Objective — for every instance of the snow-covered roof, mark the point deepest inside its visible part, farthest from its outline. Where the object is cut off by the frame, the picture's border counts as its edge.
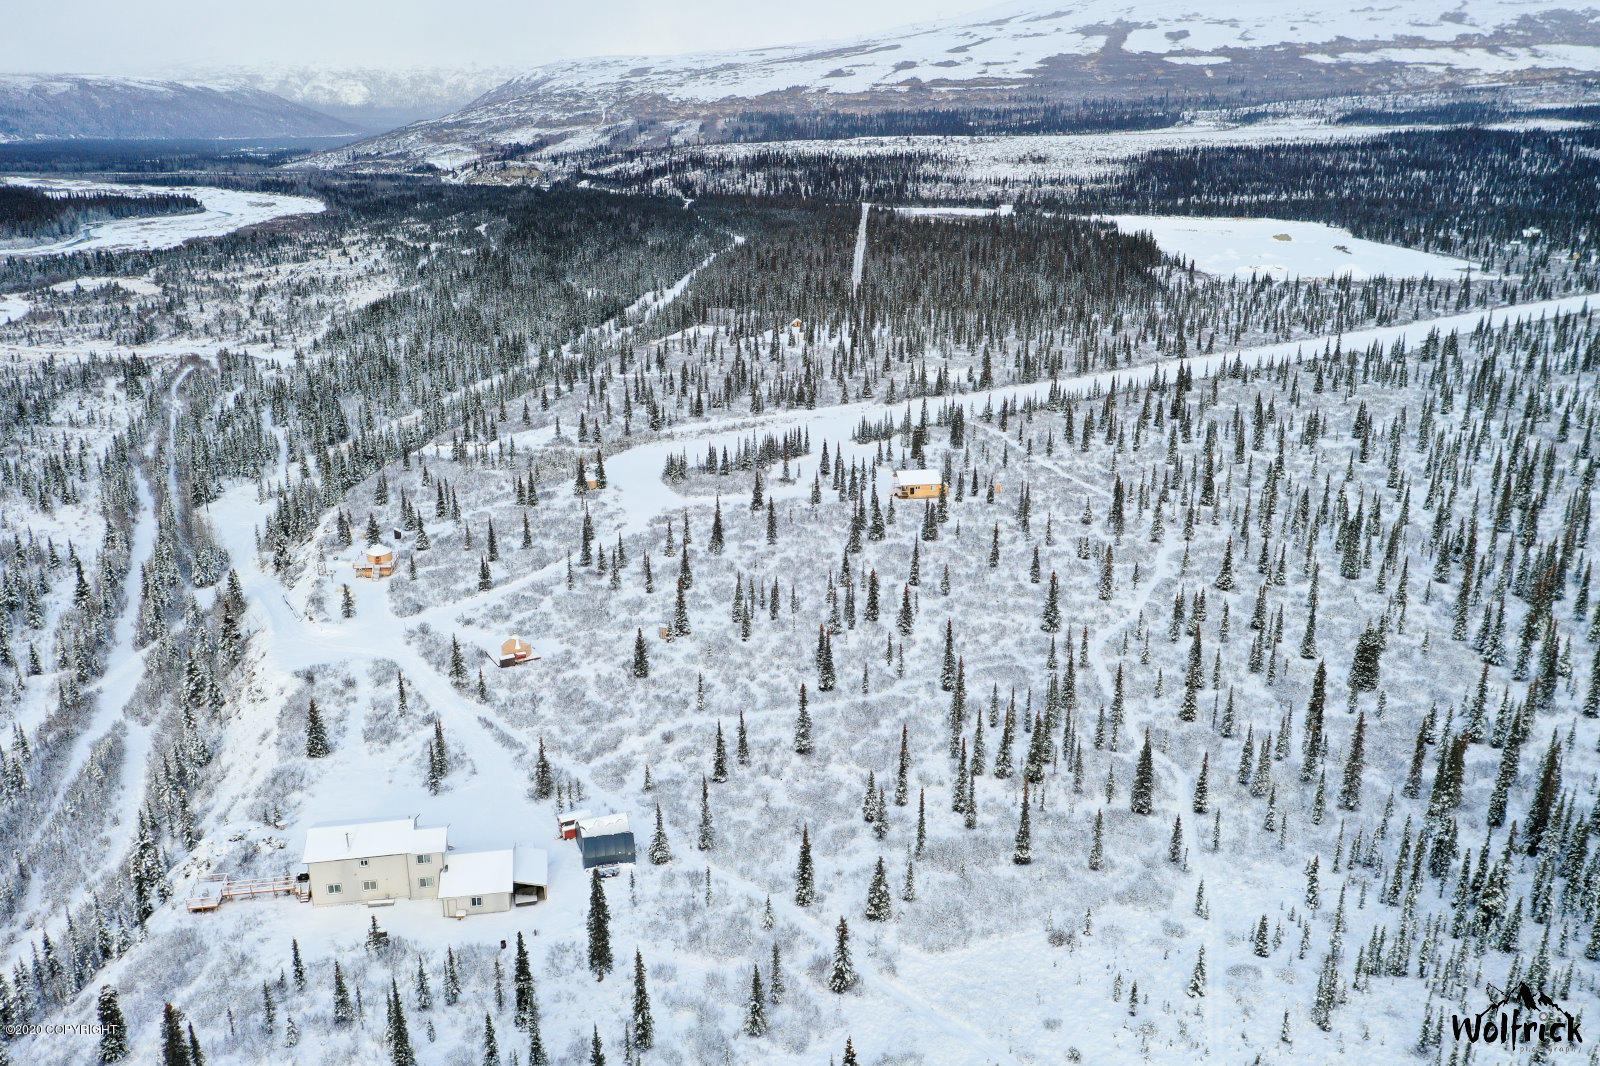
(477, 873)
(574, 816)
(603, 825)
(530, 865)
(366, 840)
(918, 477)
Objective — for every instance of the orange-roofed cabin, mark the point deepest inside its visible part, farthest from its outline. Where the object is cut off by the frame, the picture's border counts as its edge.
(515, 650)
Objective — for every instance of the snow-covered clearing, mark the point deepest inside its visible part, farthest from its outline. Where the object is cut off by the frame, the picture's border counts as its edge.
(13, 308)
(224, 210)
(1282, 249)
(859, 262)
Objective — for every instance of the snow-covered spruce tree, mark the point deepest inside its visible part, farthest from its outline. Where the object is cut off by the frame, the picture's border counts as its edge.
(113, 1029)
(879, 908)
(660, 851)
(1141, 798)
(802, 726)
(544, 784)
(1051, 622)
(1022, 847)
(399, 1035)
(842, 976)
(707, 838)
(317, 746)
(599, 928)
(1097, 847)
(644, 1026)
(522, 987)
(755, 1011)
(805, 884)
(641, 656)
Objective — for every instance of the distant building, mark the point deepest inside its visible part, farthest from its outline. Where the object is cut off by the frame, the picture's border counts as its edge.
(385, 859)
(376, 561)
(918, 484)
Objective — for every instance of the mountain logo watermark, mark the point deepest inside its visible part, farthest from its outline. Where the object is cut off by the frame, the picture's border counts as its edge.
(1516, 1018)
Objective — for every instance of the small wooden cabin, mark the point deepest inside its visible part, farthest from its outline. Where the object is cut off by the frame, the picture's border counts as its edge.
(918, 484)
(376, 561)
(515, 651)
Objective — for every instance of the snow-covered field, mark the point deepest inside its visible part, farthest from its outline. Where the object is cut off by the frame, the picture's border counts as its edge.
(1282, 249)
(12, 308)
(224, 210)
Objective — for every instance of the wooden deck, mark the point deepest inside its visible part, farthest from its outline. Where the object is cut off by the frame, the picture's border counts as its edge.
(209, 892)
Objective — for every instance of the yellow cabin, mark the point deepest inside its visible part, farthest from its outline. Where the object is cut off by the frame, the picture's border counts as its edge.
(918, 484)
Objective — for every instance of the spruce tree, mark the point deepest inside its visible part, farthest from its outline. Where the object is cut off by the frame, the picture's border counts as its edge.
(317, 746)
(641, 656)
(1350, 790)
(660, 851)
(707, 839)
(599, 928)
(1141, 798)
(842, 976)
(113, 1030)
(1022, 848)
(802, 726)
(755, 1013)
(174, 1048)
(805, 889)
(522, 986)
(644, 1026)
(879, 908)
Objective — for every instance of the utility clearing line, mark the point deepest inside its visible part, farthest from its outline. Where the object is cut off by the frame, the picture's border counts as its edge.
(861, 249)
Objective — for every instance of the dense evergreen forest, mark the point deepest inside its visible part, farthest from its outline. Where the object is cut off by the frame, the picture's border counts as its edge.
(1024, 117)
(34, 214)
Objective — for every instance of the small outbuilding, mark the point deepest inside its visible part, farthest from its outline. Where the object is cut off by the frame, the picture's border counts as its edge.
(515, 651)
(376, 561)
(605, 842)
(567, 824)
(918, 484)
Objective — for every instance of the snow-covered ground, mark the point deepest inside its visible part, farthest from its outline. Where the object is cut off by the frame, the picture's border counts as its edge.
(224, 210)
(13, 308)
(1282, 249)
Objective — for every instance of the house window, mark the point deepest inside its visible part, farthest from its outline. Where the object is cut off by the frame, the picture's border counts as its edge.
(369, 886)
(424, 882)
(477, 901)
(423, 860)
(363, 863)
(334, 890)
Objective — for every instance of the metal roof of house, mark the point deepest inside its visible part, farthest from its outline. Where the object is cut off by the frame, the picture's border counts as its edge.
(477, 873)
(606, 850)
(918, 477)
(530, 865)
(370, 839)
(603, 825)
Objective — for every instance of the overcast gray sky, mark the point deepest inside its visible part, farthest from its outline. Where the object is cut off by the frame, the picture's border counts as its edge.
(145, 36)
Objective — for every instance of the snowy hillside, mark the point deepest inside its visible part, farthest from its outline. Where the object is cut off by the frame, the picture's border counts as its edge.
(71, 106)
(373, 99)
(1029, 51)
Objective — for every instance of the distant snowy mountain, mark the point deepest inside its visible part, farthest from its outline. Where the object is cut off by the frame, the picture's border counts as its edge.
(71, 106)
(373, 98)
(1249, 52)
